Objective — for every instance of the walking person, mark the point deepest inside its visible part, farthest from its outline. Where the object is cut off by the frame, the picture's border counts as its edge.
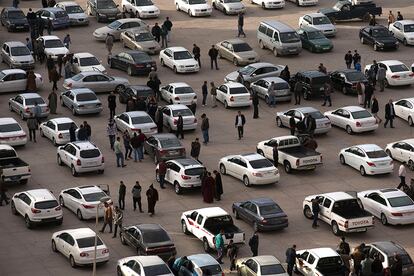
(127, 144)
(54, 77)
(109, 43)
(315, 212)
(152, 198)
(391, 18)
(232, 252)
(381, 73)
(136, 196)
(162, 171)
(112, 104)
(72, 132)
(348, 59)
(49, 26)
(205, 126)
(360, 87)
(111, 132)
(375, 109)
(255, 101)
(240, 24)
(291, 259)
(292, 125)
(52, 102)
(254, 244)
(219, 243)
(218, 185)
(372, 73)
(164, 34)
(195, 149)
(117, 219)
(213, 92)
(3, 195)
(135, 144)
(204, 91)
(298, 92)
(32, 125)
(327, 90)
(88, 130)
(343, 247)
(389, 114)
(197, 54)
(160, 120)
(67, 41)
(16, 3)
(239, 124)
(31, 82)
(322, 69)
(108, 217)
(180, 126)
(369, 91)
(213, 54)
(207, 188)
(356, 58)
(168, 25)
(285, 74)
(275, 155)
(118, 153)
(82, 133)
(399, 16)
(156, 32)
(272, 94)
(121, 195)
(141, 140)
(402, 172)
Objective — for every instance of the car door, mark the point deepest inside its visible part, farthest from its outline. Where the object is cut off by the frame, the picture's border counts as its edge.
(268, 149)
(230, 165)
(5, 53)
(359, 158)
(164, 92)
(286, 117)
(252, 213)
(398, 31)
(68, 199)
(168, 61)
(69, 244)
(150, 146)
(376, 204)
(70, 154)
(19, 203)
(166, 115)
(173, 172)
(103, 83)
(17, 103)
(407, 151)
(325, 209)
(350, 156)
(199, 227)
(244, 210)
(123, 122)
(345, 119)
(90, 82)
(240, 168)
(13, 82)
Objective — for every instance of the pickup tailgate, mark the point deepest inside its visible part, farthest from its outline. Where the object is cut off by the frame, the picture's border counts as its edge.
(310, 160)
(363, 222)
(14, 169)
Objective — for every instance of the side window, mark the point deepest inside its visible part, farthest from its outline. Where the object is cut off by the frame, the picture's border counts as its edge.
(76, 194)
(223, 88)
(200, 219)
(167, 112)
(253, 209)
(298, 115)
(20, 76)
(269, 32)
(242, 163)
(276, 36)
(70, 240)
(193, 215)
(50, 125)
(89, 79)
(327, 203)
(262, 28)
(311, 259)
(304, 255)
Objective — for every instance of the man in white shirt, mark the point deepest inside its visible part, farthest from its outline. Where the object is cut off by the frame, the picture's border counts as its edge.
(239, 123)
(402, 171)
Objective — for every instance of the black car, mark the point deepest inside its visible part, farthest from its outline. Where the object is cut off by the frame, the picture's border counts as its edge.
(135, 91)
(133, 62)
(378, 36)
(14, 19)
(346, 80)
(344, 10)
(263, 213)
(164, 146)
(149, 239)
(312, 83)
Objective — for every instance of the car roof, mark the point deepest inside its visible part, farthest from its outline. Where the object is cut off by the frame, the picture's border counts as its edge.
(136, 113)
(89, 73)
(62, 120)
(148, 226)
(312, 73)
(323, 252)
(177, 106)
(368, 147)
(202, 260)
(233, 84)
(84, 145)
(179, 84)
(40, 194)
(278, 25)
(13, 71)
(139, 87)
(14, 43)
(7, 120)
(124, 20)
(352, 108)
(262, 201)
(261, 64)
(407, 99)
(30, 95)
(284, 137)
(409, 141)
(406, 21)
(389, 247)
(81, 90)
(185, 162)
(266, 260)
(83, 55)
(176, 49)
(252, 156)
(274, 79)
(79, 233)
(212, 211)
(391, 192)
(338, 195)
(235, 41)
(346, 71)
(12, 9)
(51, 9)
(391, 62)
(88, 189)
(144, 260)
(164, 136)
(305, 109)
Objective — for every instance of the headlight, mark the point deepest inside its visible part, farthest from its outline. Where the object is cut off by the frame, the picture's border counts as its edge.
(380, 44)
(101, 14)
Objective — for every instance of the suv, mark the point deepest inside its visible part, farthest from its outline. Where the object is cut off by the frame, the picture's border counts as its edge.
(104, 10)
(81, 156)
(17, 55)
(37, 206)
(312, 83)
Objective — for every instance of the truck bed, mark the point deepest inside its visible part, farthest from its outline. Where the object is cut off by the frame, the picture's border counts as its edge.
(228, 229)
(299, 152)
(10, 163)
(350, 210)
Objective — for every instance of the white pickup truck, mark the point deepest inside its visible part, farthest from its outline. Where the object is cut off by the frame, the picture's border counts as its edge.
(12, 168)
(292, 154)
(206, 223)
(341, 210)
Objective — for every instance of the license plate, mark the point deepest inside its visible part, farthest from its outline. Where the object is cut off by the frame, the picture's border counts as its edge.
(151, 12)
(292, 51)
(174, 152)
(15, 178)
(19, 27)
(148, 65)
(111, 18)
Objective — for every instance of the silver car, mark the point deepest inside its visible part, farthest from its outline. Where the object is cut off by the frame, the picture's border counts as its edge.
(96, 81)
(255, 71)
(17, 55)
(237, 51)
(119, 26)
(140, 40)
(76, 14)
(81, 101)
(24, 105)
(323, 124)
(282, 89)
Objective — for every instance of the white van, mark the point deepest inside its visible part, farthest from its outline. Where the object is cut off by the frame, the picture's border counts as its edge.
(278, 37)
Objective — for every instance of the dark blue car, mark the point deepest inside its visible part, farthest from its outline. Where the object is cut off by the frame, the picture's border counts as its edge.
(59, 17)
(263, 213)
(14, 19)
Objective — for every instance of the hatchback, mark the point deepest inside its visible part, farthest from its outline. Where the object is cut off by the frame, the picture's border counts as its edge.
(57, 130)
(134, 121)
(170, 117)
(12, 80)
(281, 88)
(76, 14)
(58, 16)
(178, 93)
(81, 101)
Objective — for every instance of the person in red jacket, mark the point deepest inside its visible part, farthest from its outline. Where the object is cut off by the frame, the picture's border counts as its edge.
(162, 170)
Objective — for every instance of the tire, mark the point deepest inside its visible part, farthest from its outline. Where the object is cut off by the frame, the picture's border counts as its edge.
(362, 171)
(41, 133)
(410, 121)
(344, 90)
(177, 7)
(175, 70)
(235, 62)
(61, 202)
(119, 88)
(307, 212)
(255, 227)
(177, 188)
(335, 228)
(122, 239)
(342, 159)
(222, 169)
(157, 176)
(110, 63)
(184, 228)
(73, 111)
(162, 62)
(79, 214)
(375, 47)
(101, 171)
(13, 209)
(214, 6)
(10, 108)
(24, 181)
(387, 84)
(288, 167)
(279, 122)
(155, 159)
(73, 171)
(226, 106)
(236, 214)
(384, 219)
(189, 13)
(54, 249)
(411, 165)
(54, 142)
(266, 99)
(306, 96)
(22, 116)
(129, 71)
(28, 222)
(206, 246)
(405, 42)
(225, 12)
(263, 5)
(275, 53)
(118, 271)
(59, 160)
(349, 130)
(362, 40)
(261, 45)
(137, 15)
(72, 261)
(246, 181)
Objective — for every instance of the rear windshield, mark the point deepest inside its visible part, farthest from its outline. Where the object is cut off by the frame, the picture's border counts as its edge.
(73, 9)
(184, 112)
(290, 37)
(84, 97)
(380, 33)
(53, 43)
(272, 269)
(316, 115)
(332, 264)
(170, 143)
(320, 80)
(238, 90)
(144, 93)
(194, 171)
(361, 114)
(242, 47)
(355, 76)
(281, 85)
(141, 57)
(160, 269)
(88, 242)
(49, 204)
(260, 164)
(90, 153)
(7, 153)
(214, 221)
(400, 201)
(64, 126)
(32, 101)
(60, 14)
(405, 258)
(183, 54)
(399, 68)
(155, 236)
(114, 25)
(409, 28)
(269, 209)
(141, 120)
(9, 128)
(106, 4)
(184, 90)
(89, 61)
(192, 2)
(16, 14)
(211, 270)
(144, 37)
(92, 197)
(377, 154)
(20, 51)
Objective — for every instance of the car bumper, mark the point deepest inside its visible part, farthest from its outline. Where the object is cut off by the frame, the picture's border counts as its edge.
(149, 132)
(358, 229)
(409, 219)
(186, 127)
(141, 71)
(61, 25)
(274, 6)
(264, 180)
(307, 167)
(270, 227)
(86, 261)
(387, 47)
(149, 15)
(46, 220)
(14, 141)
(99, 37)
(201, 13)
(397, 82)
(62, 141)
(291, 51)
(322, 130)
(188, 69)
(42, 115)
(247, 61)
(323, 49)
(365, 129)
(283, 98)
(329, 33)
(19, 27)
(79, 22)
(88, 110)
(190, 185)
(381, 170)
(239, 104)
(90, 169)
(24, 66)
(170, 157)
(16, 178)
(91, 213)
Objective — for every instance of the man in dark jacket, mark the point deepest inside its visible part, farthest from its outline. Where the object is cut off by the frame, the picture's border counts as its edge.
(239, 124)
(195, 149)
(205, 126)
(297, 91)
(315, 212)
(88, 130)
(136, 196)
(310, 124)
(162, 170)
(152, 198)
(375, 109)
(396, 268)
(204, 90)
(291, 259)
(168, 25)
(240, 24)
(72, 132)
(112, 104)
(121, 195)
(82, 133)
(254, 244)
(292, 125)
(255, 101)
(389, 114)
(197, 53)
(180, 126)
(369, 91)
(156, 32)
(275, 155)
(343, 247)
(213, 54)
(348, 59)
(218, 185)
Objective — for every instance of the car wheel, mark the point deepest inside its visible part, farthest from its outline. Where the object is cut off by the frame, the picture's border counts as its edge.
(119, 88)
(306, 95)
(54, 142)
(389, 153)
(263, 5)
(73, 170)
(73, 111)
(79, 214)
(362, 40)
(189, 13)
(157, 176)
(101, 171)
(24, 181)
(111, 65)
(184, 227)
(13, 208)
(28, 222)
(41, 133)
(206, 246)
(177, 188)
(59, 160)
(10, 108)
(225, 12)
(137, 15)
(307, 212)
(122, 238)
(279, 122)
(246, 181)
(162, 62)
(235, 62)
(129, 71)
(288, 167)
(411, 165)
(61, 202)
(261, 45)
(72, 261)
(349, 130)
(362, 171)
(344, 90)
(384, 219)
(375, 47)
(335, 228)
(387, 84)
(222, 169)
(342, 159)
(275, 53)
(214, 6)
(410, 121)
(226, 105)
(175, 69)
(266, 99)
(54, 249)
(405, 42)
(118, 271)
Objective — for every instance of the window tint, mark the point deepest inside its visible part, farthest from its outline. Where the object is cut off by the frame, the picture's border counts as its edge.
(194, 171)
(200, 219)
(311, 259)
(400, 201)
(327, 203)
(155, 236)
(170, 143)
(9, 128)
(377, 154)
(361, 114)
(86, 97)
(91, 153)
(88, 242)
(270, 209)
(160, 269)
(260, 164)
(93, 196)
(272, 269)
(64, 126)
(33, 101)
(46, 204)
(141, 120)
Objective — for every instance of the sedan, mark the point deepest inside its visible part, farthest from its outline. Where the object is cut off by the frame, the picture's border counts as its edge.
(369, 159)
(193, 7)
(11, 133)
(179, 59)
(14, 19)
(134, 121)
(404, 109)
(403, 30)
(323, 124)
(75, 12)
(140, 40)
(142, 8)
(57, 130)
(260, 266)
(15, 80)
(391, 206)
(281, 88)
(58, 16)
(354, 119)
(233, 94)
(16, 55)
(269, 4)
(314, 40)
(379, 37)
(24, 104)
(170, 116)
(143, 266)
(402, 151)
(318, 21)
(81, 101)
(178, 93)
(346, 80)
(397, 73)
(164, 146)
(118, 26)
(237, 51)
(79, 246)
(263, 213)
(53, 46)
(133, 62)
(255, 71)
(229, 6)
(96, 81)
(84, 62)
(148, 239)
(251, 168)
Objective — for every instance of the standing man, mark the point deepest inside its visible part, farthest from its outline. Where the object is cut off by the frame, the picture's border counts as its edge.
(112, 104)
(156, 32)
(322, 68)
(88, 130)
(381, 77)
(67, 41)
(16, 3)
(121, 196)
(343, 247)
(389, 114)
(391, 18)
(275, 155)
(255, 101)
(219, 243)
(164, 34)
(152, 198)
(297, 91)
(118, 153)
(402, 172)
(205, 125)
(240, 24)
(327, 90)
(399, 16)
(375, 109)
(180, 126)
(168, 24)
(197, 54)
(52, 98)
(136, 196)
(348, 59)
(291, 259)
(195, 149)
(356, 58)
(254, 244)
(118, 216)
(372, 73)
(315, 212)
(213, 54)
(162, 171)
(213, 93)
(32, 125)
(109, 43)
(204, 90)
(396, 266)
(72, 132)
(111, 132)
(108, 216)
(218, 184)
(292, 125)
(141, 140)
(3, 195)
(272, 94)
(239, 123)
(369, 91)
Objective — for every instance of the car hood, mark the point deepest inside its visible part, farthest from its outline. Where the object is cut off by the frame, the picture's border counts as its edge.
(109, 11)
(92, 68)
(390, 39)
(247, 54)
(23, 58)
(325, 27)
(237, 6)
(321, 41)
(187, 62)
(232, 76)
(121, 80)
(104, 30)
(148, 44)
(77, 16)
(200, 6)
(56, 51)
(148, 8)
(159, 244)
(18, 21)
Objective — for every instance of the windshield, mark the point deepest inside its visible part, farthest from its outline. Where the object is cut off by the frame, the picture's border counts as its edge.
(316, 115)
(141, 3)
(49, 204)
(184, 112)
(260, 164)
(290, 37)
(242, 47)
(170, 143)
(114, 25)
(155, 236)
(141, 120)
(400, 201)
(160, 269)
(20, 51)
(53, 43)
(272, 269)
(65, 126)
(399, 68)
(9, 128)
(194, 2)
(315, 35)
(140, 57)
(356, 76)
(182, 55)
(89, 61)
(270, 209)
(92, 197)
(194, 171)
(381, 33)
(232, 1)
(409, 28)
(59, 14)
(320, 80)
(16, 15)
(88, 242)
(361, 114)
(90, 153)
(183, 90)
(321, 20)
(247, 70)
(105, 4)
(377, 154)
(32, 101)
(238, 90)
(77, 77)
(143, 37)
(84, 97)
(144, 93)
(73, 9)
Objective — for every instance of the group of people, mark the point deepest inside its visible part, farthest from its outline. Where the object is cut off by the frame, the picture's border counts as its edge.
(211, 187)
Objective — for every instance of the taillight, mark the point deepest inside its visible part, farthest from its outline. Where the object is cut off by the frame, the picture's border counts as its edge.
(134, 129)
(257, 174)
(27, 110)
(371, 164)
(78, 162)
(84, 254)
(177, 98)
(195, 97)
(358, 124)
(232, 99)
(395, 76)
(321, 158)
(58, 208)
(35, 211)
(411, 75)
(162, 152)
(103, 160)
(60, 135)
(185, 177)
(251, 98)
(346, 224)
(69, 84)
(105, 251)
(139, 65)
(175, 121)
(397, 214)
(86, 206)
(263, 220)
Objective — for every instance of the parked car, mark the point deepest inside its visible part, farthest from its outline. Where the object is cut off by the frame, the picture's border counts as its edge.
(133, 62)
(201, 264)
(11, 133)
(135, 91)
(14, 19)
(281, 87)
(314, 40)
(142, 8)
(38, 206)
(96, 81)
(133, 121)
(81, 101)
(260, 266)
(255, 71)
(148, 239)
(323, 124)
(263, 213)
(354, 119)
(75, 13)
(58, 16)
(178, 93)
(369, 159)
(397, 73)
(81, 157)
(141, 41)
(318, 21)
(304, 3)
(117, 27)
(345, 10)
(403, 30)
(193, 7)
(85, 62)
(233, 94)
(319, 261)
(170, 117)
(237, 51)
(183, 174)
(57, 130)
(12, 168)
(379, 37)
(16, 55)
(83, 201)
(79, 246)
(229, 6)
(179, 59)
(312, 83)
(52, 46)
(15, 80)
(103, 10)
(402, 151)
(346, 80)
(24, 104)
(142, 266)
(164, 146)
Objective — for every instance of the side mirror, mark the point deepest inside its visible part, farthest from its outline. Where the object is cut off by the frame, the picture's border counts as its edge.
(365, 195)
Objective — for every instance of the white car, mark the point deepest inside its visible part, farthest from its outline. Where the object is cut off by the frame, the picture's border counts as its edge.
(229, 6)
(15, 80)
(404, 109)
(193, 7)
(118, 26)
(37, 206)
(178, 93)
(402, 151)
(318, 21)
(391, 206)
(179, 59)
(81, 157)
(57, 130)
(369, 159)
(303, 3)
(96, 81)
(143, 266)
(397, 73)
(133, 121)
(251, 168)
(87, 62)
(53, 46)
(76, 14)
(260, 266)
(270, 4)
(142, 8)
(78, 245)
(83, 201)
(403, 30)
(233, 94)
(354, 119)
(315, 261)
(170, 117)
(11, 133)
